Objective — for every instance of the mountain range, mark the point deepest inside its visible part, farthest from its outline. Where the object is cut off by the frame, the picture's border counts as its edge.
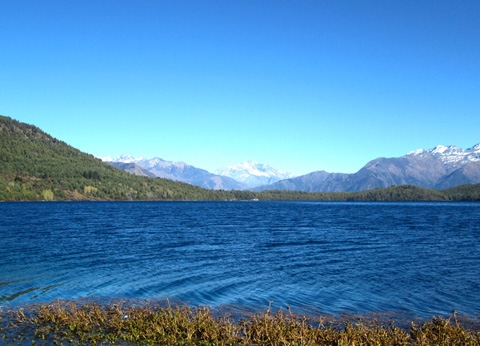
(36, 166)
(438, 168)
(178, 171)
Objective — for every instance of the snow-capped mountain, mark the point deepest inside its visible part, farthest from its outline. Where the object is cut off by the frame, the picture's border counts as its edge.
(450, 155)
(157, 166)
(438, 168)
(122, 159)
(179, 171)
(253, 173)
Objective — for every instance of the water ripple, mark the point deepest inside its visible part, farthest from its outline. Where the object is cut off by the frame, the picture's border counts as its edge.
(334, 257)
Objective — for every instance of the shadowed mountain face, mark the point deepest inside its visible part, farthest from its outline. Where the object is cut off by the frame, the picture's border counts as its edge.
(438, 168)
(131, 168)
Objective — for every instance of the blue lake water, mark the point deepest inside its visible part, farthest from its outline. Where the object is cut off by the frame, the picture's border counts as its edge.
(419, 258)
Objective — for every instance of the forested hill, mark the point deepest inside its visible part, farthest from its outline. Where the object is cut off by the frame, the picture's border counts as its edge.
(36, 166)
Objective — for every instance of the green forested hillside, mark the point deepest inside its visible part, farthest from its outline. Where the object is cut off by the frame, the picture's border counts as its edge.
(36, 166)
(463, 193)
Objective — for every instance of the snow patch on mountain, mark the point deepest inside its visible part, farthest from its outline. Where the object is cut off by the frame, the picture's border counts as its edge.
(148, 164)
(123, 159)
(253, 173)
(450, 154)
(475, 148)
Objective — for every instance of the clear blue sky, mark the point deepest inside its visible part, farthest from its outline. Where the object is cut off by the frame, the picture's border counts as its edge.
(299, 85)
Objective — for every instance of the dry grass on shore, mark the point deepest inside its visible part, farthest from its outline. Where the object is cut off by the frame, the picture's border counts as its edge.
(92, 323)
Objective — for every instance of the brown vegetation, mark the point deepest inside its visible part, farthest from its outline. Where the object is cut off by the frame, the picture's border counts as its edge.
(91, 323)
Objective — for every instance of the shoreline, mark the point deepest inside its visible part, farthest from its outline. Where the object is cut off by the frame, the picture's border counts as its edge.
(123, 321)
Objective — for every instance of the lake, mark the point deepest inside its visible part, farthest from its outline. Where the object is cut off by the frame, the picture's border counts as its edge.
(418, 258)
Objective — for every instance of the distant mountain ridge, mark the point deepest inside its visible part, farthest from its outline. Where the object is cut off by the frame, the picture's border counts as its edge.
(253, 173)
(438, 168)
(450, 155)
(35, 166)
(441, 167)
(238, 177)
(178, 171)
